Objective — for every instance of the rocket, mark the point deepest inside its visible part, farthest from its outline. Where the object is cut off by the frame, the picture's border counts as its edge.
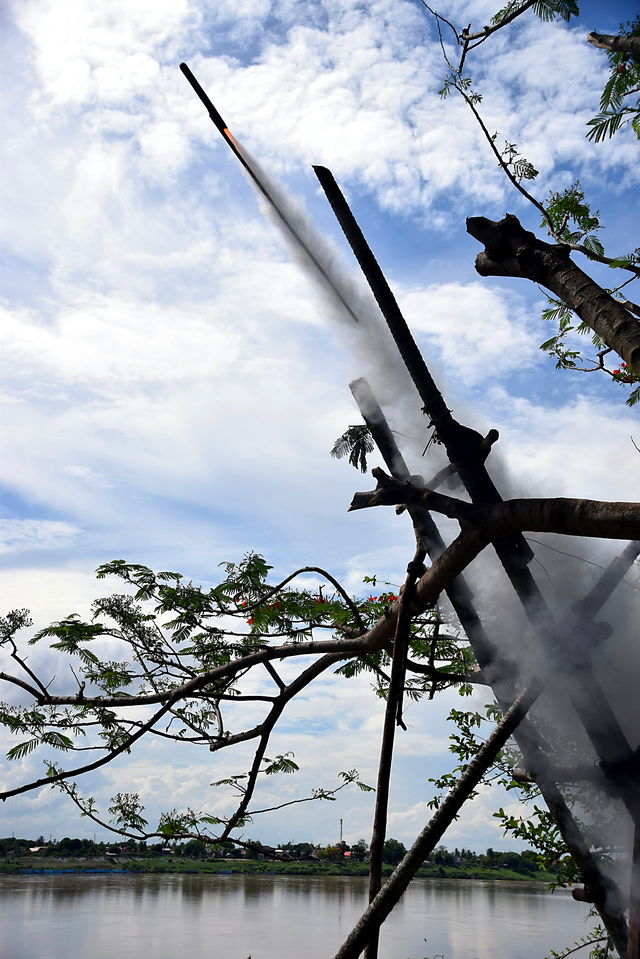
(224, 131)
(227, 136)
(213, 113)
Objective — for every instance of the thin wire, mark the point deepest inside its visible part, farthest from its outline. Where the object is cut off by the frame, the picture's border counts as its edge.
(541, 564)
(581, 558)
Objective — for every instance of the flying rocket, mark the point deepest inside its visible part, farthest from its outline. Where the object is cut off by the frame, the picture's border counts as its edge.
(224, 130)
(213, 113)
(230, 141)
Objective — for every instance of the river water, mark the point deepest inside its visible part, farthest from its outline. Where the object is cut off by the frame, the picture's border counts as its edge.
(275, 917)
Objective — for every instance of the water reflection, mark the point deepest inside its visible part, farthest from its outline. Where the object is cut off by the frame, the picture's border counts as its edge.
(274, 917)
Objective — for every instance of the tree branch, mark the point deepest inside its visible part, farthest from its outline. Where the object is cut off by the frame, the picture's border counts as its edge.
(36, 693)
(346, 647)
(386, 899)
(615, 44)
(573, 517)
(71, 773)
(501, 162)
(307, 676)
(392, 717)
(510, 250)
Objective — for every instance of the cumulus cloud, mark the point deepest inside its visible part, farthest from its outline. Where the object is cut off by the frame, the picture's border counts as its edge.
(26, 534)
(473, 329)
(548, 453)
(476, 820)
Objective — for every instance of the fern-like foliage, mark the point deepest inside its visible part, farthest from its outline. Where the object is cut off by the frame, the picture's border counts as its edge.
(545, 9)
(519, 166)
(505, 12)
(605, 125)
(558, 312)
(623, 82)
(356, 443)
(624, 262)
(634, 397)
(550, 9)
(567, 359)
(281, 764)
(568, 208)
(592, 243)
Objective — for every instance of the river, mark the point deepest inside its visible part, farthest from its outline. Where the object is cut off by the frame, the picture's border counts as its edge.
(275, 917)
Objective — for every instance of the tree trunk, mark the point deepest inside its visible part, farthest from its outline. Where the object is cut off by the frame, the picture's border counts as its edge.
(510, 250)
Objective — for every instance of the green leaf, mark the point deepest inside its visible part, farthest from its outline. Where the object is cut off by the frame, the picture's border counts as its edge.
(524, 170)
(607, 124)
(623, 262)
(504, 12)
(230, 781)
(54, 738)
(14, 620)
(356, 442)
(23, 749)
(281, 764)
(569, 206)
(634, 397)
(593, 243)
(550, 9)
(557, 311)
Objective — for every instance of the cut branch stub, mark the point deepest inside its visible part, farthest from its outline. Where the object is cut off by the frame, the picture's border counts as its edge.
(573, 517)
(510, 250)
(388, 492)
(615, 44)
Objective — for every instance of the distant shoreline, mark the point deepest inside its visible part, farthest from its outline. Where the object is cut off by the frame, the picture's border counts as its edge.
(32, 865)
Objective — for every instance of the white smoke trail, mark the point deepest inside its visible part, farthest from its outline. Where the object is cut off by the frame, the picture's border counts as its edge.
(342, 294)
(563, 580)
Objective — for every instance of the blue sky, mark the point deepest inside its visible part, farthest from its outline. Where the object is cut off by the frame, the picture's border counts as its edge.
(172, 382)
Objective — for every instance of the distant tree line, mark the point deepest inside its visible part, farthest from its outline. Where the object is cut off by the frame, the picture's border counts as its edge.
(526, 862)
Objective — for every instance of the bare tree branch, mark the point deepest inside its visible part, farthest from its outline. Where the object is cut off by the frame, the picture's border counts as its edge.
(392, 717)
(573, 517)
(386, 899)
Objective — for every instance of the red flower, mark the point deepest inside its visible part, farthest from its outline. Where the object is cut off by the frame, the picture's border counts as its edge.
(615, 372)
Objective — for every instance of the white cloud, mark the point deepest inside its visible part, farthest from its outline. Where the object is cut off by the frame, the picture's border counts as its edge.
(59, 590)
(479, 333)
(97, 52)
(475, 820)
(552, 451)
(17, 535)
